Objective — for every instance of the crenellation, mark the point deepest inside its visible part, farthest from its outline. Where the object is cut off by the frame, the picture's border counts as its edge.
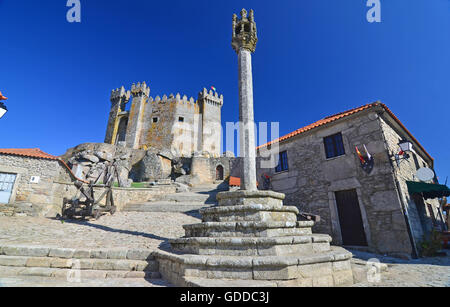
(210, 97)
(141, 89)
(120, 94)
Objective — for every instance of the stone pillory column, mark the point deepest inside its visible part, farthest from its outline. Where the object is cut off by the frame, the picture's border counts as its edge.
(244, 43)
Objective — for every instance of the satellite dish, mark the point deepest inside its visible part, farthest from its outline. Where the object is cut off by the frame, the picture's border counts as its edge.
(425, 174)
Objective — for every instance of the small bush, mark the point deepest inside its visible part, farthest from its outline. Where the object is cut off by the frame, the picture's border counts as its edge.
(432, 245)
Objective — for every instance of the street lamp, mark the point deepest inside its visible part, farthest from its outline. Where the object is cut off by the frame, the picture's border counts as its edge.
(405, 148)
(3, 109)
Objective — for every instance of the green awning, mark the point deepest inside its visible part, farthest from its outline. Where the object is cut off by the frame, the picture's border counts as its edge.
(428, 190)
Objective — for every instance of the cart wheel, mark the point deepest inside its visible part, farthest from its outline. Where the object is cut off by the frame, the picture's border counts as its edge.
(97, 214)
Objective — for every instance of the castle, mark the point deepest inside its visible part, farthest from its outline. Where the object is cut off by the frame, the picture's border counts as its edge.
(184, 126)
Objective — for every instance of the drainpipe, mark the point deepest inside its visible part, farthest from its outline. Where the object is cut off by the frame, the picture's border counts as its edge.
(405, 214)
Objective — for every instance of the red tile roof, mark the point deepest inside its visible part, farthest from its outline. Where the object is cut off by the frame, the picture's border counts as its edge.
(333, 118)
(39, 154)
(28, 152)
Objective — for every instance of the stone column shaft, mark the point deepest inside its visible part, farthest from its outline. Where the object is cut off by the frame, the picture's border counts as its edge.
(247, 121)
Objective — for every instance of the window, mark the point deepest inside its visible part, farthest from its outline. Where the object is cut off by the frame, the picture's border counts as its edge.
(334, 146)
(155, 120)
(282, 163)
(181, 119)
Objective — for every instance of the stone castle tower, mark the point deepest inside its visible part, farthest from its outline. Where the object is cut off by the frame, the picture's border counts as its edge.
(183, 126)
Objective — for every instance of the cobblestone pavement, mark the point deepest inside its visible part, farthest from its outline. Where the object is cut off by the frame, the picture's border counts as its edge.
(423, 272)
(122, 230)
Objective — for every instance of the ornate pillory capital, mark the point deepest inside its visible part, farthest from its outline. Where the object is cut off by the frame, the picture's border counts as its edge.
(244, 31)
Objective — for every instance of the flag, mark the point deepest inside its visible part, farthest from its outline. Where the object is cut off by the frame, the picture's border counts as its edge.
(369, 156)
(360, 155)
(213, 88)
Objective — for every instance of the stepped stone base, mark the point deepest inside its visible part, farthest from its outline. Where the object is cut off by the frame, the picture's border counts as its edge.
(252, 239)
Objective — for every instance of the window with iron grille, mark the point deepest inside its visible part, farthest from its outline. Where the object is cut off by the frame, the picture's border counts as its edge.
(282, 163)
(334, 146)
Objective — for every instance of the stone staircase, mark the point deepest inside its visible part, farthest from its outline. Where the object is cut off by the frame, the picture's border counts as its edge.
(199, 197)
(77, 264)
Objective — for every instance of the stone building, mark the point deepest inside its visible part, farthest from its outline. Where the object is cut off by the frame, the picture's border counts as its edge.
(27, 182)
(184, 126)
(320, 173)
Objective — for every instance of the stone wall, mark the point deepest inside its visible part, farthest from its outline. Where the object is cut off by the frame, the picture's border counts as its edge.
(122, 196)
(312, 180)
(419, 215)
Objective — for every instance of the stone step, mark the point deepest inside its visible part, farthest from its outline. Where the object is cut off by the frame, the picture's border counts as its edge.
(165, 206)
(249, 229)
(189, 197)
(58, 273)
(80, 264)
(76, 253)
(256, 246)
(331, 268)
(196, 282)
(250, 213)
(73, 282)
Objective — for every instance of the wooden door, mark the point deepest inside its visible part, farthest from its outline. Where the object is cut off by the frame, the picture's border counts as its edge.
(350, 218)
(219, 173)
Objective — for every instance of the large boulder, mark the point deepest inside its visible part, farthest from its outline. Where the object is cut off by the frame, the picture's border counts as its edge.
(151, 168)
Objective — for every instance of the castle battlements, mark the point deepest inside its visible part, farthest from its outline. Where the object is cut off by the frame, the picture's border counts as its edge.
(210, 97)
(120, 94)
(172, 98)
(140, 89)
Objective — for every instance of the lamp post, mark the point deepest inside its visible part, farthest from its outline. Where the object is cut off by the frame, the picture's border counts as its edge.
(3, 108)
(405, 148)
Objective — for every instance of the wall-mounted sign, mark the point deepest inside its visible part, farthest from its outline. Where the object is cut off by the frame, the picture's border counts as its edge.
(35, 179)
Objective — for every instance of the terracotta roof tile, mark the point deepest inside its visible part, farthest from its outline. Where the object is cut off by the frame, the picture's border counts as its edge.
(28, 152)
(335, 117)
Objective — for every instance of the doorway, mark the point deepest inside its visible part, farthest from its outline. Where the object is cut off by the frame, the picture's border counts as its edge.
(350, 218)
(219, 173)
(6, 187)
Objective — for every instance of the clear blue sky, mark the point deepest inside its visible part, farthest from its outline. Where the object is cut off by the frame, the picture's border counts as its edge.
(314, 58)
